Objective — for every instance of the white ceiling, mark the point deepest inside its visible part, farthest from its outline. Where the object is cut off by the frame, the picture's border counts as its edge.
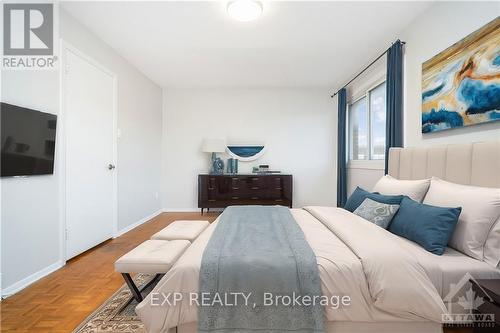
(294, 44)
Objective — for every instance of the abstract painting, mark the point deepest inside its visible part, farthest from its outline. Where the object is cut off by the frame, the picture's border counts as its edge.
(461, 85)
(246, 152)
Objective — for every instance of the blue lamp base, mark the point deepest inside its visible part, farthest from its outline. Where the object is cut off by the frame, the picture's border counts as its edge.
(217, 167)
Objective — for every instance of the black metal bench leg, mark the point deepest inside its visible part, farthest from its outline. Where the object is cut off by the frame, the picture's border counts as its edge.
(156, 278)
(133, 288)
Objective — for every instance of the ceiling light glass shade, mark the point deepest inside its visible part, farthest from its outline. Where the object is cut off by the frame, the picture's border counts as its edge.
(244, 10)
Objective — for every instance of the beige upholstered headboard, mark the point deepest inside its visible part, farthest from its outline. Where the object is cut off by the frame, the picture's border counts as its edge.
(471, 164)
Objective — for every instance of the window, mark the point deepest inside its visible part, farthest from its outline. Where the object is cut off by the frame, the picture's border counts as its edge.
(358, 117)
(367, 125)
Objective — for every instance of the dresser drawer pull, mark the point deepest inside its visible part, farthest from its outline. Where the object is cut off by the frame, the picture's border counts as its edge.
(211, 200)
(235, 198)
(236, 188)
(255, 188)
(255, 178)
(211, 188)
(279, 188)
(278, 200)
(234, 178)
(255, 198)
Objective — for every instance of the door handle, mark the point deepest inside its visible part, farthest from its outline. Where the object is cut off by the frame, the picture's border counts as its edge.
(111, 167)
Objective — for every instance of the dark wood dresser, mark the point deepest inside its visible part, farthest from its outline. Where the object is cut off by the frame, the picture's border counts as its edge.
(220, 191)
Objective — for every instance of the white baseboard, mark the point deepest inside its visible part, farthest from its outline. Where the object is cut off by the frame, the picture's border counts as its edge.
(138, 223)
(19, 285)
(181, 210)
(11, 290)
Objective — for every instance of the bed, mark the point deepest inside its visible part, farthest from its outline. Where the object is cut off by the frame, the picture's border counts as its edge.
(361, 259)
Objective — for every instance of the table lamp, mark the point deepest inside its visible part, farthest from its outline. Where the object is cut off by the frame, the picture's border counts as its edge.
(215, 146)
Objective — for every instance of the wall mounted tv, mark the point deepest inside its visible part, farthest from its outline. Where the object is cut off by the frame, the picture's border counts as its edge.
(28, 141)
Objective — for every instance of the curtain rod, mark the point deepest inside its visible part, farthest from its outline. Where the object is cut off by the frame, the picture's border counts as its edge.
(364, 69)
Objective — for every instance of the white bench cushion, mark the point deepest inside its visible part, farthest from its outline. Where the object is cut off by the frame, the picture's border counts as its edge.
(188, 230)
(152, 256)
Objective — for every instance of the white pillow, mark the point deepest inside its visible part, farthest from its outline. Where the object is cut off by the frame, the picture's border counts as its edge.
(480, 209)
(492, 245)
(415, 189)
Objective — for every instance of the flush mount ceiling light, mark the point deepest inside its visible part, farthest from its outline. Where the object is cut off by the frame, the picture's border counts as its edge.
(244, 10)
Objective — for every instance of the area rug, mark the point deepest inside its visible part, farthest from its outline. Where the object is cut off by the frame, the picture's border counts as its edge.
(117, 314)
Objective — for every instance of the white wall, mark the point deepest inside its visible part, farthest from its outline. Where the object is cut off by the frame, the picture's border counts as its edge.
(298, 125)
(30, 206)
(436, 29)
(364, 177)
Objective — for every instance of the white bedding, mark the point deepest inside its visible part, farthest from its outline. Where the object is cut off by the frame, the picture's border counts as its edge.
(453, 266)
(354, 327)
(391, 271)
(380, 272)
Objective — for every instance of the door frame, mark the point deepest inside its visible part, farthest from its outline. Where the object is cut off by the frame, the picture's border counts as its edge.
(61, 137)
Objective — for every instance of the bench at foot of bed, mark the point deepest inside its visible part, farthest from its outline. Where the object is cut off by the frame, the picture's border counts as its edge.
(184, 229)
(150, 257)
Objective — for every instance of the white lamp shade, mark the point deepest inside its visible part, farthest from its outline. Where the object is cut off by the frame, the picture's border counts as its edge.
(213, 146)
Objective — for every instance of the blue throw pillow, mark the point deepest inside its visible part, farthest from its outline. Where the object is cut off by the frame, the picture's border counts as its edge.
(359, 195)
(427, 225)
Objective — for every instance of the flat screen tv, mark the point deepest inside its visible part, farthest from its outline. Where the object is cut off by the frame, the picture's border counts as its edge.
(28, 141)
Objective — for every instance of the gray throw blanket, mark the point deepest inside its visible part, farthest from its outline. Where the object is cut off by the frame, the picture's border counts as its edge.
(262, 253)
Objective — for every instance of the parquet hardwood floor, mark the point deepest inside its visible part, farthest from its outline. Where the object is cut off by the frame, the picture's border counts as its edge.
(63, 299)
(60, 301)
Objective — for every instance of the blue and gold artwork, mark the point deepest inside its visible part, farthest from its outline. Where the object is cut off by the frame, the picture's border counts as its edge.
(461, 85)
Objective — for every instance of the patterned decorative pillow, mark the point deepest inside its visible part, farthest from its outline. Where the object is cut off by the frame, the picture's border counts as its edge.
(377, 212)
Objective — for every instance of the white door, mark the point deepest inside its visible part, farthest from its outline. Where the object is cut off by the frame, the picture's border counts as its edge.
(89, 131)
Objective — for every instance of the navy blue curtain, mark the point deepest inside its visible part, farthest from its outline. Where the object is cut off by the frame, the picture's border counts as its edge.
(394, 98)
(341, 149)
